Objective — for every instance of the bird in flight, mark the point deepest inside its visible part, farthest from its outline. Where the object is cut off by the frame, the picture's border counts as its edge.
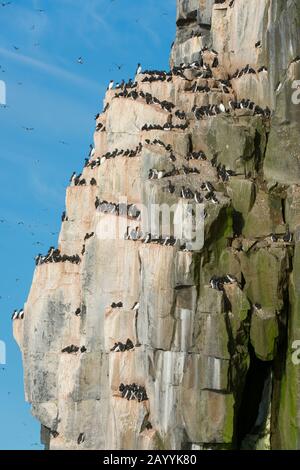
(80, 60)
(28, 129)
(119, 67)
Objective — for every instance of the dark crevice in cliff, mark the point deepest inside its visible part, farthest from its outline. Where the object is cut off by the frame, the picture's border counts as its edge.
(259, 154)
(238, 222)
(205, 26)
(190, 19)
(45, 437)
(283, 210)
(279, 369)
(253, 409)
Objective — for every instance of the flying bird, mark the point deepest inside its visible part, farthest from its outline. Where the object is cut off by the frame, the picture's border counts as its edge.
(80, 60)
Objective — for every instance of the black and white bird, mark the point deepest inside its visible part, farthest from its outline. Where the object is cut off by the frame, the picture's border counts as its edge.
(139, 69)
(92, 151)
(15, 315)
(198, 198)
(73, 177)
(288, 237)
(111, 85)
(81, 438)
(147, 239)
(208, 186)
(257, 307)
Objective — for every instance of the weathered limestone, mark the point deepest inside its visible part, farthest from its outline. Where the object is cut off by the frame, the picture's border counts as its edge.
(200, 318)
(264, 334)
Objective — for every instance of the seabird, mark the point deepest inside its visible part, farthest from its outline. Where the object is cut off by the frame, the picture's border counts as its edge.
(147, 239)
(139, 69)
(111, 85)
(81, 438)
(15, 315)
(208, 186)
(92, 151)
(198, 197)
(231, 278)
(288, 237)
(73, 177)
(214, 199)
(129, 344)
(171, 187)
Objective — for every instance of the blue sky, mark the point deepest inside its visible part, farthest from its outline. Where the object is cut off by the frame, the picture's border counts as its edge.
(48, 90)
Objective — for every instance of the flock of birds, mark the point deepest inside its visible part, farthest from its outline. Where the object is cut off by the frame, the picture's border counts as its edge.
(131, 211)
(128, 90)
(54, 256)
(129, 153)
(121, 347)
(74, 349)
(133, 392)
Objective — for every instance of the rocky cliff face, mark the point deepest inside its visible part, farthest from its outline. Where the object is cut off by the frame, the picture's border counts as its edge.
(210, 355)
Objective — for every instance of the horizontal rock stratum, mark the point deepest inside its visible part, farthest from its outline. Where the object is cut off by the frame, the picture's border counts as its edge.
(146, 341)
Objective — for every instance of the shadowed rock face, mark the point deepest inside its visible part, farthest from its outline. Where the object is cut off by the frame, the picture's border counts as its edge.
(202, 346)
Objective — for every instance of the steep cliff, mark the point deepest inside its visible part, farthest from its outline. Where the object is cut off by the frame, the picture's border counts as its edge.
(210, 355)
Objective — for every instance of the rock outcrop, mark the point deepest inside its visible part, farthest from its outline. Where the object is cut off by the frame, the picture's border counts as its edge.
(202, 332)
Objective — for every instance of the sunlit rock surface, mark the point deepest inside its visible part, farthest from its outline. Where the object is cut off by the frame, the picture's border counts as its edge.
(216, 363)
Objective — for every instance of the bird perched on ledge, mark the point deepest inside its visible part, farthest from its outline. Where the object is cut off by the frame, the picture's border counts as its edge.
(139, 69)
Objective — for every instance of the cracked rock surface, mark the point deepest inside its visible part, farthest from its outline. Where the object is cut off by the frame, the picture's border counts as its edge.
(214, 357)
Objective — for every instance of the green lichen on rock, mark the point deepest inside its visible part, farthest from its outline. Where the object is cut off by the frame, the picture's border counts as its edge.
(265, 216)
(264, 333)
(264, 271)
(287, 421)
(242, 195)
